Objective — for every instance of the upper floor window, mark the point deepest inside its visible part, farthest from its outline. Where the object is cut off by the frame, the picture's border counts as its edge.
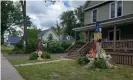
(119, 8)
(116, 9)
(94, 15)
(112, 10)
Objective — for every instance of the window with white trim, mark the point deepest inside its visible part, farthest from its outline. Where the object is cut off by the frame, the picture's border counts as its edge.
(94, 15)
(116, 9)
(119, 8)
(112, 10)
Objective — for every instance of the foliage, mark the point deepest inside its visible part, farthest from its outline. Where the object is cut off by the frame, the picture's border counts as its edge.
(50, 37)
(17, 51)
(11, 15)
(56, 46)
(68, 22)
(19, 45)
(100, 63)
(65, 44)
(46, 55)
(33, 56)
(82, 60)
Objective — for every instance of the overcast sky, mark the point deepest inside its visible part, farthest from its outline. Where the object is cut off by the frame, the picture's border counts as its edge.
(44, 15)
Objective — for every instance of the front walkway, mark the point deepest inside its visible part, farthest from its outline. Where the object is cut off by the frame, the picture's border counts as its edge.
(34, 63)
(8, 72)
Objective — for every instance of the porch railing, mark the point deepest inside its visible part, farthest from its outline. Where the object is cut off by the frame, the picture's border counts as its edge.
(119, 45)
(85, 49)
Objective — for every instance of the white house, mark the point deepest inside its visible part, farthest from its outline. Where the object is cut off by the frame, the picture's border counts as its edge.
(44, 35)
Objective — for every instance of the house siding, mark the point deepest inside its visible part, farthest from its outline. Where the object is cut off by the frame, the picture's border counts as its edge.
(103, 12)
(45, 36)
(127, 7)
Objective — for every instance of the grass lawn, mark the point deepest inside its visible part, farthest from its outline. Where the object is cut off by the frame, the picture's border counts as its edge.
(70, 70)
(23, 61)
(6, 50)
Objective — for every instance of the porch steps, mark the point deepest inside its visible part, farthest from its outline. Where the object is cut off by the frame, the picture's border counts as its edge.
(72, 53)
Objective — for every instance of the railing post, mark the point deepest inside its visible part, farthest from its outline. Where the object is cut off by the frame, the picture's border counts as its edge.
(114, 38)
(75, 36)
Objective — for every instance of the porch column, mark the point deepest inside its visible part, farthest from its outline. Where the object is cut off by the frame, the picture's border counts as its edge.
(114, 38)
(85, 36)
(75, 36)
(88, 37)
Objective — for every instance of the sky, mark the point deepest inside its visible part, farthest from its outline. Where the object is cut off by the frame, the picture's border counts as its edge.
(44, 14)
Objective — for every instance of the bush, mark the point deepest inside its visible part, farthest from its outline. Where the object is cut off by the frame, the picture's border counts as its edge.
(55, 47)
(100, 63)
(32, 46)
(65, 45)
(46, 55)
(17, 51)
(82, 60)
(19, 45)
(33, 56)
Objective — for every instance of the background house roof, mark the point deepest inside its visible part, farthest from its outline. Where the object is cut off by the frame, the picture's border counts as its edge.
(14, 39)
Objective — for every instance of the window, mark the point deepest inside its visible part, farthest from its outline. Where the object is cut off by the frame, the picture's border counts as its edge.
(112, 10)
(94, 14)
(119, 8)
(116, 9)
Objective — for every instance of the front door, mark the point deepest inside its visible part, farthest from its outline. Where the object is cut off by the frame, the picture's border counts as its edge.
(111, 35)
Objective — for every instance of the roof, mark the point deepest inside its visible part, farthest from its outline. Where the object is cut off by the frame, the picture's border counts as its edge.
(96, 5)
(45, 31)
(106, 23)
(14, 39)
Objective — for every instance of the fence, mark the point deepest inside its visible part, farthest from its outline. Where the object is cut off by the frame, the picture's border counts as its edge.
(122, 58)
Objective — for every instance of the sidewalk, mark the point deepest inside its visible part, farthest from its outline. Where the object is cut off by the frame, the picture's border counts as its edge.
(8, 72)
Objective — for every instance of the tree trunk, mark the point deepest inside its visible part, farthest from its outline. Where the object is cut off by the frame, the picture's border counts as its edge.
(23, 3)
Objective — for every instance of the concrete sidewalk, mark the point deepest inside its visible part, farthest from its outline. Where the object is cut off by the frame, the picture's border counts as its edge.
(8, 72)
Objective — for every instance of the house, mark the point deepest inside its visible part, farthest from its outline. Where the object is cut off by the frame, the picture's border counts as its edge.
(44, 35)
(12, 40)
(116, 22)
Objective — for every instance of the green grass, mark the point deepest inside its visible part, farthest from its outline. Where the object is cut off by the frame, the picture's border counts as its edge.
(6, 50)
(70, 70)
(24, 61)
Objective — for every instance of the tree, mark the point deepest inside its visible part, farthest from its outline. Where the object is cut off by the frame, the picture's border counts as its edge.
(68, 21)
(11, 15)
(50, 37)
(23, 4)
(80, 15)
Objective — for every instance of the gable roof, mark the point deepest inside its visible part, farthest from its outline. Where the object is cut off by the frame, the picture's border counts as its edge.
(85, 5)
(14, 39)
(45, 31)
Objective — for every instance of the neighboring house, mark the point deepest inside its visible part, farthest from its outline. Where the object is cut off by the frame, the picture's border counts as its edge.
(12, 40)
(116, 23)
(67, 38)
(44, 35)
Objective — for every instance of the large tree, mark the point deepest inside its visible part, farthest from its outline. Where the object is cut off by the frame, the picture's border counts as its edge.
(11, 15)
(80, 16)
(68, 22)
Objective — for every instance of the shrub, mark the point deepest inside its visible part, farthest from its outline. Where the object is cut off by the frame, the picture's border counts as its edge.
(19, 45)
(46, 55)
(17, 51)
(65, 45)
(33, 56)
(32, 46)
(100, 63)
(82, 60)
